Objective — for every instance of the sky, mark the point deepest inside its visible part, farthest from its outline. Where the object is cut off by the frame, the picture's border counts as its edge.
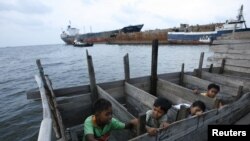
(40, 22)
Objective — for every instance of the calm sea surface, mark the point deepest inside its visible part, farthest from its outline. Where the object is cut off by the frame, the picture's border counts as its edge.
(66, 66)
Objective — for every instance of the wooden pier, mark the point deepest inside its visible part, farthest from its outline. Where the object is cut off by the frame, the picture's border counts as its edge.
(65, 109)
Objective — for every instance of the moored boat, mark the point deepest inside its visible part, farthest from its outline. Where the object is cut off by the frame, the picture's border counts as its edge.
(229, 26)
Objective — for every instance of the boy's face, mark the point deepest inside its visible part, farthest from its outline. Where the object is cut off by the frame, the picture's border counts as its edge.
(157, 112)
(195, 110)
(212, 92)
(105, 116)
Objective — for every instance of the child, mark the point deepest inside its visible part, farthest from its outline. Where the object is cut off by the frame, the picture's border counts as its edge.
(157, 117)
(212, 91)
(197, 108)
(97, 127)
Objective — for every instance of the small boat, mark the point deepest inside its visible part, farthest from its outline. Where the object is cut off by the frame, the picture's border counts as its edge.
(82, 44)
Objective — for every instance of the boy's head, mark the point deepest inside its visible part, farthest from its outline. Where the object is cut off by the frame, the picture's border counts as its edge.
(197, 108)
(212, 90)
(103, 111)
(161, 106)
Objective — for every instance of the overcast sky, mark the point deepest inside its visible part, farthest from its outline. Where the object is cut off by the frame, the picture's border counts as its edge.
(37, 22)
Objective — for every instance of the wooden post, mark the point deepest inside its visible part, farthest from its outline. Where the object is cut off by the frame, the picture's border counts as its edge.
(141, 128)
(153, 84)
(182, 74)
(126, 67)
(239, 93)
(200, 65)
(92, 80)
(211, 68)
(222, 66)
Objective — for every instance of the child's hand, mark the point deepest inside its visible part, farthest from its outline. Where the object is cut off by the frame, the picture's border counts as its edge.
(165, 125)
(199, 113)
(152, 131)
(195, 91)
(134, 122)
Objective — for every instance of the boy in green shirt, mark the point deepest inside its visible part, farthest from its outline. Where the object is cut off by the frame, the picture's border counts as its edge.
(97, 127)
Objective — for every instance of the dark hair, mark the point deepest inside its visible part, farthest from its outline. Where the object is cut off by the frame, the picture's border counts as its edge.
(199, 104)
(163, 103)
(101, 105)
(212, 85)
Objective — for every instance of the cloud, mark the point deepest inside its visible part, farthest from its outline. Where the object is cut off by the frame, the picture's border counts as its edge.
(45, 18)
(25, 7)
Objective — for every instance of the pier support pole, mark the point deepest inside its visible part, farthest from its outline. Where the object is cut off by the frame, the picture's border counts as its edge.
(222, 66)
(153, 83)
(92, 80)
(211, 68)
(126, 67)
(200, 65)
(182, 74)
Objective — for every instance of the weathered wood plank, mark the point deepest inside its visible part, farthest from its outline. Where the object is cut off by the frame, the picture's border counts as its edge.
(184, 93)
(204, 83)
(142, 96)
(221, 79)
(119, 111)
(231, 56)
(154, 62)
(45, 132)
(238, 69)
(231, 42)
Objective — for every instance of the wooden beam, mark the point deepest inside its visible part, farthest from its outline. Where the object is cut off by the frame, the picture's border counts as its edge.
(45, 131)
(92, 80)
(239, 93)
(182, 74)
(181, 92)
(119, 111)
(188, 79)
(57, 118)
(224, 80)
(126, 67)
(222, 66)
(154, 62)
(210, 68)
(140, 95)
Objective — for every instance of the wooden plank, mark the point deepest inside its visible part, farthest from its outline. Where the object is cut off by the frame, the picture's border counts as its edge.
(230, 42)
(142, 96)
(45, 131)
(222, 79)
(57, 119)
(204, 84)
(231, 56)
(70, 91)
(119, 111)
(184, 93)
(126, 67)
(92, 80)
(238, 69)
(241, 46)
(154, 62)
